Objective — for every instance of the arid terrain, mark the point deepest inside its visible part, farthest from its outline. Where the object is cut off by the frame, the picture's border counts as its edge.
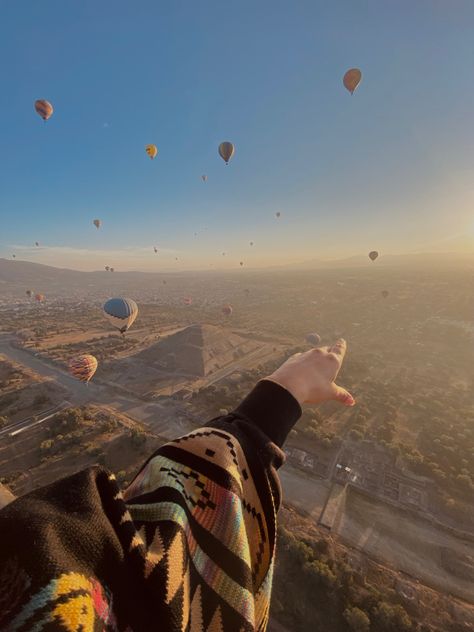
(388, 485)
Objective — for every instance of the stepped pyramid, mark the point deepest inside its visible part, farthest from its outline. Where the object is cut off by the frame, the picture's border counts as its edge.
(197, 350)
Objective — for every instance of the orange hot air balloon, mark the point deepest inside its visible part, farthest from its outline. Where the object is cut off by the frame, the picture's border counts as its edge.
(97, 223)
(83, 367)
(226, 151)
(188, 300)
(373, 254)
(44, 109)
(352, 79)
(151, 150)
(39, 298)
(227, 310)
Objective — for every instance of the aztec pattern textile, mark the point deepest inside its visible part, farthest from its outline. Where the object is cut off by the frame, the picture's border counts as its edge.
(189, 546)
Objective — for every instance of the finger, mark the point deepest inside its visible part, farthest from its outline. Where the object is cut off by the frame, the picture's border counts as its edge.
(339, 348)
(340, 394)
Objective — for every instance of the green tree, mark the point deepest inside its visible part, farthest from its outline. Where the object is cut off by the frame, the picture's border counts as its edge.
(390, 618)
(356, 619)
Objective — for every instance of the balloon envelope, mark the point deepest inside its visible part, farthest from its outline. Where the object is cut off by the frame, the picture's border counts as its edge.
(83, 367)
(29, 293)
(97, 223)
(204, 178)
(384, 293)
(352, 79)
(44, 109)
(151, 150)
(227, 310)
(313, 339)
(278, 214)
(39, 298)
(121, 312)
(36, 243)
(373, 254)
(226, 151)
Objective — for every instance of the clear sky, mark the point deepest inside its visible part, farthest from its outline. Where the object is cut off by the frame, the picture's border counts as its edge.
(390, 168)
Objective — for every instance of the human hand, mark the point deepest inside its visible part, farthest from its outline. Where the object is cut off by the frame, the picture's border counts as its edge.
(310, 376)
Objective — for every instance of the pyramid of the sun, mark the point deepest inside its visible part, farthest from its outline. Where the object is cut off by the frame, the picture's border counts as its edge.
(198, 350)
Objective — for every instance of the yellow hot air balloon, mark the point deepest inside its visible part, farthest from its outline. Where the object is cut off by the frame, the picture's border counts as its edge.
(83, 367)
(44, 109)
(226, 151)
(352, 79)
(97, 223)
(151, 150)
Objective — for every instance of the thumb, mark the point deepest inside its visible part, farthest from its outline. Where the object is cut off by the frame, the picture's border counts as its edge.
(340, 394)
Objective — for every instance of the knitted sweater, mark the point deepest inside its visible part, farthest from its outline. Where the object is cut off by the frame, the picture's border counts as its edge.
(189, 546)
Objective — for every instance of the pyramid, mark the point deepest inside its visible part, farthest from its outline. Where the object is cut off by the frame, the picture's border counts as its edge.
(197, 350)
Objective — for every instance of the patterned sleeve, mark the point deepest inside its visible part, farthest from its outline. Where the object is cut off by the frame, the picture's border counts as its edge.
(189, 546)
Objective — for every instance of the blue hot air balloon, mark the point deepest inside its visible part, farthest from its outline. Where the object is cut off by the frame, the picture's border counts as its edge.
(121, 312)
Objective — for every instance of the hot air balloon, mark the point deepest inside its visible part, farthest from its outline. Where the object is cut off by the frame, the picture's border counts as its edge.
(251, 243)
(97, 223)
(36, 243)
(121, 312)
(278, 214)
(352, 79)
(39, 298)
(151, 150)
(44, 109)
(176, 259)
(204, 178)
(14, 256)
(373, 254)
(112, 269)
(155, 249)
(384, 293)
(188, 300)
(223, 254)
(83, 367)
(241, 263)
(313, 339)
(107, 268)
(164, 281)
(226, 151)
(29, 293)
(227, 310)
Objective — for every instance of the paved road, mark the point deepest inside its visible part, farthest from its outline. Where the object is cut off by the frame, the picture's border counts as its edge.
(166, 419)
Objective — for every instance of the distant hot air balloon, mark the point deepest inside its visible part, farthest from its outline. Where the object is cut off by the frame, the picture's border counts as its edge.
(278, 214)
(112, 269)
(29, 293)
(226, 151)
(107, 268)
(14, 256)
(36, 243)
(155, 249)
(247, 291)
(83, 367)
(373, 254)
(39, 298)
(223, 254)
(97, 223)
(241, 263)
(227, 310)
(188, 300)
(204, 178)
(164, 281)
(176, 259)
(121, 312)
(384, 293)
(44, 109)
(313, 339)
(352, 79)
(151, 150)
(251, 243)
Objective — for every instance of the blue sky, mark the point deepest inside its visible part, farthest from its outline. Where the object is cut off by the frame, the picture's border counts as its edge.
(389, 168)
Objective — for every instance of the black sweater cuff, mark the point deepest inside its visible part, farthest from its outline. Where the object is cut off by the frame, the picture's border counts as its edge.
(272, 408)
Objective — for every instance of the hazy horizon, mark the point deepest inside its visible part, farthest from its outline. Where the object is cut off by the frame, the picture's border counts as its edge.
(388, 168)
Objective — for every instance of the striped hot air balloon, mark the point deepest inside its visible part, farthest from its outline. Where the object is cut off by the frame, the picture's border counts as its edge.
(44, 108)
(121, 312)
(151, 150)
(83, 367)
